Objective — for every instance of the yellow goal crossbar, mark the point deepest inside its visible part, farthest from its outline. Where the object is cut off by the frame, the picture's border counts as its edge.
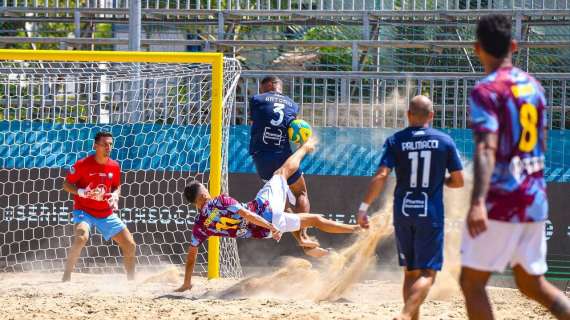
(216, 60)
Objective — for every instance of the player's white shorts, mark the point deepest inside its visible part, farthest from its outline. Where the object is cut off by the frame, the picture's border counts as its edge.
(505, 243)
(275, 192)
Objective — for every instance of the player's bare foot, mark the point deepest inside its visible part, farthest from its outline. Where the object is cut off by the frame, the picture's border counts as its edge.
(317, 252)
(184, 288)
(402, 317)
(66, 277)
(308, 243)
(357, 228)
(310, 145)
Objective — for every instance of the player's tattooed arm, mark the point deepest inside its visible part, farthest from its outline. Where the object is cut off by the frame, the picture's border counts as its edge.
(484, 164)
(190, 262)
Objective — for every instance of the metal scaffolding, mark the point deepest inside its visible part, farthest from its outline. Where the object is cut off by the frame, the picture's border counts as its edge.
(378, 36)
(379, 100)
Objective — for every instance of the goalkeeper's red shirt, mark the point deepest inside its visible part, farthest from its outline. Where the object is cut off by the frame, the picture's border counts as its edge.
(88, 174)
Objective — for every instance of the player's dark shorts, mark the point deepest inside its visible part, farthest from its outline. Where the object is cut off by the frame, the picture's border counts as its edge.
(267, 163)
(420, 244)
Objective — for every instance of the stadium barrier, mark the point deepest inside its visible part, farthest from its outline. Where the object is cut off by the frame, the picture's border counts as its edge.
(300, 5)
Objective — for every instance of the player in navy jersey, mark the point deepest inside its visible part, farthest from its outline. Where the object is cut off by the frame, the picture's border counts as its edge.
(506, 221)
(271, 114)
(421, 156)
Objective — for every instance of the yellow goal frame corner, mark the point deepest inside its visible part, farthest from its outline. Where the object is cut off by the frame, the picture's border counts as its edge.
(216, 60)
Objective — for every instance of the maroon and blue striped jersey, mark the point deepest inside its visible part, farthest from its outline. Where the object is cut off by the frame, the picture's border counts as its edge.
(511, 104)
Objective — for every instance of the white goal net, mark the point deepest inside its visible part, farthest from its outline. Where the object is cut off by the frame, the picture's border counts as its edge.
(159, 115)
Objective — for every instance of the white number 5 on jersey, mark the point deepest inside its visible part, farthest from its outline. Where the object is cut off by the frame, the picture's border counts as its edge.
(278, 108)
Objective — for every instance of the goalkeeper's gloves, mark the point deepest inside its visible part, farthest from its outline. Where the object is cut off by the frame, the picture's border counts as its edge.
(113, 200)
(82, 193)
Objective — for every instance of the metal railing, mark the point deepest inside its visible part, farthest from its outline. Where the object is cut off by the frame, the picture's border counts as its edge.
(298, 5)
(354, 55)
(399, 44)
(326, 99)
(379, 100)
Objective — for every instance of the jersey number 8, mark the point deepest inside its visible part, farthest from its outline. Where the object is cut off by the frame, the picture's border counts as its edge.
(529, 135)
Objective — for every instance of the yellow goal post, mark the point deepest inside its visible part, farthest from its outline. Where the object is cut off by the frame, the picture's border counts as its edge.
(215, 60)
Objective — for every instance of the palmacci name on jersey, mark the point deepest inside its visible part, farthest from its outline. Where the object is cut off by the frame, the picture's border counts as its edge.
(420, 145)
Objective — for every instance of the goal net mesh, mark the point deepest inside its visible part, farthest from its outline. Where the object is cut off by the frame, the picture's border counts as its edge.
(159, 115)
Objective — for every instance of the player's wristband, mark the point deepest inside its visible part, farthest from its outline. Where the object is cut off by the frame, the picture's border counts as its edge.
(81, 193)
(363, 207)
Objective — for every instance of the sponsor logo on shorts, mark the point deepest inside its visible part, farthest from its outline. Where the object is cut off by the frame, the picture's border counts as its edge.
(549, 229)
(568, 231)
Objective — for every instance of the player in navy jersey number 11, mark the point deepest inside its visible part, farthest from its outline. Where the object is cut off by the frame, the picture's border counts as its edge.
(421, 156)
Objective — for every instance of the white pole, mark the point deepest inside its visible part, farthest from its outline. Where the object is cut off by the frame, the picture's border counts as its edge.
(135, 25)
(135, 106)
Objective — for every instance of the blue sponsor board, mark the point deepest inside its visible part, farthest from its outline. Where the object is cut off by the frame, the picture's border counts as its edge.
(342, 151)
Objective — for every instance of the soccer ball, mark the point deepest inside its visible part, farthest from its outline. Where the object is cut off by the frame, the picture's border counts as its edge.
(299, 131)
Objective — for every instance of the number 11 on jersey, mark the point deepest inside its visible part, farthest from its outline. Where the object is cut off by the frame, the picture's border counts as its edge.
(414, 156)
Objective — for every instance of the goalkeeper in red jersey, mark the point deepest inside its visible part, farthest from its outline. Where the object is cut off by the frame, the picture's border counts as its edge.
(264, 217)
(95, 183)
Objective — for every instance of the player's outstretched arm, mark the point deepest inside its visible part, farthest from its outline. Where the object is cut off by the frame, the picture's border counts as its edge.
(260, 221)
(375, 187)
(484, 164)
(190, 262)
